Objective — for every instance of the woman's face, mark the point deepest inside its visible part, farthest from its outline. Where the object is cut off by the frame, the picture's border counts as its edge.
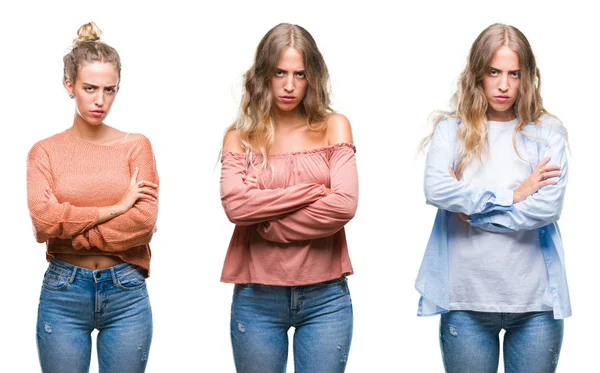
(501, 84)
(95, 90)
(289, 83)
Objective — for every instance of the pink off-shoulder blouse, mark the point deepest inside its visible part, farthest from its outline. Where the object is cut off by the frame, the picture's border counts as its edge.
(289, 231)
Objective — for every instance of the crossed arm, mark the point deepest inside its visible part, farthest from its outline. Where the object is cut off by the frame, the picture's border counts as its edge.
(299, 212)
(118, 227)
(535, 203)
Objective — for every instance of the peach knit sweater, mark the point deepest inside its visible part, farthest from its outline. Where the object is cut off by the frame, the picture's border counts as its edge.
(83, 177)
(289, 232)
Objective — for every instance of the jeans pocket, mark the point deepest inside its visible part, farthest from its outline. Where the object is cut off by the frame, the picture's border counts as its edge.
(56, 278)
(133, 280)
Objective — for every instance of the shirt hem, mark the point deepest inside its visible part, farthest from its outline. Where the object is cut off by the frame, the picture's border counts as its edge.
(286, 282)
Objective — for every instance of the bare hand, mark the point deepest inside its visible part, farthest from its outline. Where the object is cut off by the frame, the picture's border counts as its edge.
(137, 190)
(251, 180)
(328, 191)
(542, 175)
(464, 217)
(50, 195)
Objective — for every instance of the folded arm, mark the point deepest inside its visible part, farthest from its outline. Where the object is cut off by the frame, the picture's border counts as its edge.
(444, 191)
(329, 214)
(50, 220)
(245, 203)
(136, 225)
(539, 209)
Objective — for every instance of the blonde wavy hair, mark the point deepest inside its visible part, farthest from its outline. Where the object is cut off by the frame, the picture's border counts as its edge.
(470, 104)
(88, 48)
(255, 118)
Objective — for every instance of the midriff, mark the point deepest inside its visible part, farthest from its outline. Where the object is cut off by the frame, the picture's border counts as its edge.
(90, 261)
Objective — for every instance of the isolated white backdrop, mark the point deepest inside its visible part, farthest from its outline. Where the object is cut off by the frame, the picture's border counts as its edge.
(390, 65)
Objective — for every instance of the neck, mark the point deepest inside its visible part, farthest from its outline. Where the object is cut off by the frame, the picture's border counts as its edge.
(288, 119)
(497, 116)
(87, 131)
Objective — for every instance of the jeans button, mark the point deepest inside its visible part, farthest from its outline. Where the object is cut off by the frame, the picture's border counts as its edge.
(98, 274)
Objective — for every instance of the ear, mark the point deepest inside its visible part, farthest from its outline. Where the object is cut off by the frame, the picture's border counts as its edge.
(69, 87)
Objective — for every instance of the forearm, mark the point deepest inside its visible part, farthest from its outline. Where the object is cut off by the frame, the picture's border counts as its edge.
(133, 228)
(541, 208)
(444, 191)
(245, 203)
(326, 216)
(320, 219)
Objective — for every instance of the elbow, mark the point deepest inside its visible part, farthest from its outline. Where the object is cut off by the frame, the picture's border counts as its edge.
(147, 229)
(433, 194)
(553, 217)
(432, 197)
(237, 214)
(239, 220)
(42, 232)
(348, 209)
(40, 237)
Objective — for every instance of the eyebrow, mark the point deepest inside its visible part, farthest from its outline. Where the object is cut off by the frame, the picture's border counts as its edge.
(95, 86)
(510, 71)
(285, 71)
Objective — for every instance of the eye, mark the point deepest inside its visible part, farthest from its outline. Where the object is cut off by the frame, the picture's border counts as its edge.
(301, 74)
(494, 72)
(111, 90)
(279, 73)
(515, 74)
(89, 88)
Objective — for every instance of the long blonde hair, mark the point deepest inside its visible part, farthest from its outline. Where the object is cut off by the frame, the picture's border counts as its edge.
(469, 102)
(255, 118)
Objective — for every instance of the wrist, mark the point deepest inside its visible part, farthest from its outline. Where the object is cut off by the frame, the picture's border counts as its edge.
(517, 196)
(116, 210)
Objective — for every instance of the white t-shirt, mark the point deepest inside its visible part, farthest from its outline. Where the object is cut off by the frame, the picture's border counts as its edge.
(496, 272)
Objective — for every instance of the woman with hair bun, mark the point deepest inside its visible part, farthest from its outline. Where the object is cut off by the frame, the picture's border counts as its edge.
(92, 193)
(496, 169)
(289, 184)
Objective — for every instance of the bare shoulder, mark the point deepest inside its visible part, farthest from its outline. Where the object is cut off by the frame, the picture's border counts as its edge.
(232, 142)
(338, 130)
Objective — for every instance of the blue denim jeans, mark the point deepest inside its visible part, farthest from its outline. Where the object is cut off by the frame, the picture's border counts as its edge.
(470, 343)
(75, 301)
(261, 316)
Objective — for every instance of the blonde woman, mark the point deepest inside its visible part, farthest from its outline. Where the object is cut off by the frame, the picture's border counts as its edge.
(93, 198)
(496, 169)
(289, 184)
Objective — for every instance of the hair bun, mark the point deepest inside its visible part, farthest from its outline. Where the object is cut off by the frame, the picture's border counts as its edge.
(87, 33)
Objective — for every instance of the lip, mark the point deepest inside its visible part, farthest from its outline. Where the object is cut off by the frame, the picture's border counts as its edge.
(501, 99)
(97, 113)
(287, 99)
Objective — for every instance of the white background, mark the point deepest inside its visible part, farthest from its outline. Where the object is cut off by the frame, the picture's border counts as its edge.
(390, 67)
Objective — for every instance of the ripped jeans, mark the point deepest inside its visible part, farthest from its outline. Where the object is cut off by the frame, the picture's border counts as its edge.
(470, 343)
(74, 301)
(261, 316)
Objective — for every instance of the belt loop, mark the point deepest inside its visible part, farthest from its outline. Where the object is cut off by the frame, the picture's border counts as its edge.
(113, 275)
(72, 277)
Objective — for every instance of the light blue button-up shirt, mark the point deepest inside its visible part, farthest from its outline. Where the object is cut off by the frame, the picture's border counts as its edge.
(492, 209)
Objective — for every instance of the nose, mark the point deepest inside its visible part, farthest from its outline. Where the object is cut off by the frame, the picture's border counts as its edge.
(503, 83)
(99, 99)
(289, 83)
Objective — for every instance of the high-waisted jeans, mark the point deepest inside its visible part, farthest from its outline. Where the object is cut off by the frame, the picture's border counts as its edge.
(75, 301)
(470, 343)
(321, 314)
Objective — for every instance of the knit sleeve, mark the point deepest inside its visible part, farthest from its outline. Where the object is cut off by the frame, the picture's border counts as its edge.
(51, 220)
(136, 226)
(329, 214)
(247, 204)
